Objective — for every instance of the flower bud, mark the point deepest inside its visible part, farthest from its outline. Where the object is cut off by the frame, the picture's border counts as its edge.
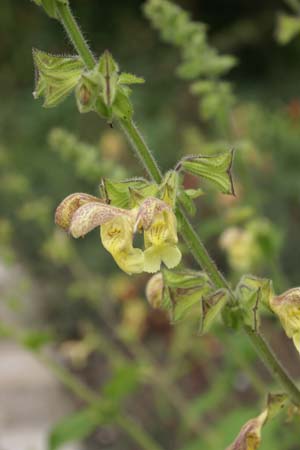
(287, 308)
(87, 91)
(154, 290)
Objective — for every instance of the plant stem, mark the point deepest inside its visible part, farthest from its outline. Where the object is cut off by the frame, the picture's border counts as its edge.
(189, 234)
(68, 380)
(137, 433)
(204, 260)
(141, 149)
(71, 26)
(274, 366)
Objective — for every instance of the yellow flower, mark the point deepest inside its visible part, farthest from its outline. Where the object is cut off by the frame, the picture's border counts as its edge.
(160, 235)
(116, 236)
(287, 307)
(80, 213)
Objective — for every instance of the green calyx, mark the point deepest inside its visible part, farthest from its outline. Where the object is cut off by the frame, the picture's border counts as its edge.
(56, 76)
(102, 89)
(188, 293)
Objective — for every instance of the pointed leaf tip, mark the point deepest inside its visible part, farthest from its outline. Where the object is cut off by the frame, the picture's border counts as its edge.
(215, 168)
(129, 78)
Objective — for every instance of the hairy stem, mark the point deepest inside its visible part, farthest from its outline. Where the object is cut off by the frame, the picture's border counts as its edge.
(72, 28)
(189, 234)
(274, 366)
(141, 149)
(206, 263)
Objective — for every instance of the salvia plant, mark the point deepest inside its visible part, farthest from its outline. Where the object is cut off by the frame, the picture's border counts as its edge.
(158, 207)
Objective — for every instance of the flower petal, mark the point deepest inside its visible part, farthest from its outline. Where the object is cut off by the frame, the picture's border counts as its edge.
(171, 256)
(152, 261)
(163, 230)
(116, 237)
(66, 209)
(296, 340)
(117, 233)
(130, 262)
(92, 215)
(148, 210)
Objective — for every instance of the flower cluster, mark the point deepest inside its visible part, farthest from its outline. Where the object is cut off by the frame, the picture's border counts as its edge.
(80, 213)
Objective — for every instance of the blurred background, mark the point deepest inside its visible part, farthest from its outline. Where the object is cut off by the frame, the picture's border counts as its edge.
(73, 327)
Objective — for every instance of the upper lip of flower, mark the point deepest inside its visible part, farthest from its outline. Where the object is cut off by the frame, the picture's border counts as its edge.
(80, 213)
(148, 211)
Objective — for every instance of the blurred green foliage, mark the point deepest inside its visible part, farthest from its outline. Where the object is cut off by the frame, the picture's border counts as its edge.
(187, 392)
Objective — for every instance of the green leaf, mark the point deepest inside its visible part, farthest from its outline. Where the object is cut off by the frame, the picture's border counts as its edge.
(194, 193)
(201, 87)
(78, 426)
(209, 63)
(212, 307)
(129, 78)
(287, 28)
(56, 76)
(215, 168)
(198, 58)
(124, 193)
(215, 97)
(187, 196)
